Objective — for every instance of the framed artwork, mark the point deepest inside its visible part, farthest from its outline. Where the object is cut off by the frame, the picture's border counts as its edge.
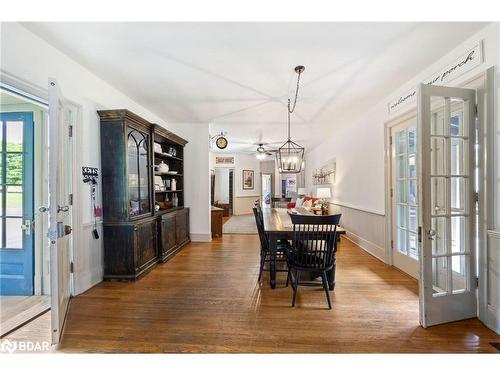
(248, 179)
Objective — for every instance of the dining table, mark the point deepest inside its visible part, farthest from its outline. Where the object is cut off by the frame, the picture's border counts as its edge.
(278, 226)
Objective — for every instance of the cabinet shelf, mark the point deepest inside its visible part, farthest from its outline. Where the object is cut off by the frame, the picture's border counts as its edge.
(166, 157)
(168, 191)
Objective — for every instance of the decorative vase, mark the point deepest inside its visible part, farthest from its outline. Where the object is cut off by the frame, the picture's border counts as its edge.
(163, 167)
(173, 184)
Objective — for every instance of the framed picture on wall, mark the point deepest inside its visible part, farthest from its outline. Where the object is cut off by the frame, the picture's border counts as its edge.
(248, 179)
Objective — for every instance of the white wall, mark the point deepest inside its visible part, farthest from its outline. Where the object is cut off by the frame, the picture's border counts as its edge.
(357, 141)
(25, 56)
(221, 192)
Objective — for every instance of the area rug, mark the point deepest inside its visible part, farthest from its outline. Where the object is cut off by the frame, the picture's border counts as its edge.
(241, 224)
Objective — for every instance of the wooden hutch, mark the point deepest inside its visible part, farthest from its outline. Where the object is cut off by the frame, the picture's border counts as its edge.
(145, 221)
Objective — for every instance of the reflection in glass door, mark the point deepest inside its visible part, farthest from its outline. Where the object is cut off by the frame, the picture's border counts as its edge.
(16, 206)
(404, 197)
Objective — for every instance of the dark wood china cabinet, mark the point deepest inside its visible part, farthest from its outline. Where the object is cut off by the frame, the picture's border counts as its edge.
(145, 220)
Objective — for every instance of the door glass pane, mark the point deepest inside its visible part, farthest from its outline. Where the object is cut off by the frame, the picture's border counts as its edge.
(412, 166)
(412, 140)
(401, 245)
(458, 186)
(14, 233)
(457, 156)
(459, 273)
(458, 234)
(438, 156)
(14, 136)
(401, 166)
(439, 242)
(401, 192)
(14, 201)
(144, 175)
(401, 142)
(412, 191)
(401, 216)
(133, 174)
(457, 125)
(412, 218)
(439, 275)
(14, 173)
(412, 245)
(437, 118)
(438, 194)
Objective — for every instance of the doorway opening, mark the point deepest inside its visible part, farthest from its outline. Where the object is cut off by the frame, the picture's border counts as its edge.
(24, 250)
(223, 190)
(266, 187)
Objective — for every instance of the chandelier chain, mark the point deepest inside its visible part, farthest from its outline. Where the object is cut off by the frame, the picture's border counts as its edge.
(290, 111)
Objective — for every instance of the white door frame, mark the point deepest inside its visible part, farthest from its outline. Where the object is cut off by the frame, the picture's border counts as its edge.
(389, 259)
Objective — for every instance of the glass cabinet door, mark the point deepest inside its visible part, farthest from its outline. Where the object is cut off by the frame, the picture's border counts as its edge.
(138, 173)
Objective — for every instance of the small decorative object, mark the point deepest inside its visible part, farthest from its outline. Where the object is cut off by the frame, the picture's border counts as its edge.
(175, 200)
(221, 142)
(248, 179)
(323, 194)
(172, 151)
(157, 148)
(157, 207)
(173, 185)
(172, 172)
(159, 185)
(167, 184)
(162, 167)
(224, 160)
(90, 177)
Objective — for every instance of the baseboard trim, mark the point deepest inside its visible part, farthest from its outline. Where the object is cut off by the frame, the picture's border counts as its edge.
(371, 248)
(200, 237)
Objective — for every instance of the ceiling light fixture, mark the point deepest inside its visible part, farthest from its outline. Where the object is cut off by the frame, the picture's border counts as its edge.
(290, 156)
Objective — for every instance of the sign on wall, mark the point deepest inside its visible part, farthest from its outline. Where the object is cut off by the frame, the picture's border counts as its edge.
(224, 160)
(469, 60)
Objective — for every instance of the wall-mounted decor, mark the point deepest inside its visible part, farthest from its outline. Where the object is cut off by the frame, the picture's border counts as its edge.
(467, 61)
(224, 160)
(326, 174)
(248, 179)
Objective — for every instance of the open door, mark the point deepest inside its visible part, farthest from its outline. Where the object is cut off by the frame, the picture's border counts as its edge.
(60, 167)
(446, 129)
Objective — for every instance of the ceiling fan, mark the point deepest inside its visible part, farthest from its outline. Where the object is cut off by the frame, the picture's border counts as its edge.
(262, 152)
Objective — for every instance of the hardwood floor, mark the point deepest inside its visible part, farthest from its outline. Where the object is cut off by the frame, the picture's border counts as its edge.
(207, 299)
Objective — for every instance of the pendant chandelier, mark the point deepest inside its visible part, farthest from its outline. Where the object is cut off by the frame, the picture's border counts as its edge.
(290, 156)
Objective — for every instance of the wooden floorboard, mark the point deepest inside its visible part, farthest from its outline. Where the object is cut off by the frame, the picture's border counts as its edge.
(207, 300)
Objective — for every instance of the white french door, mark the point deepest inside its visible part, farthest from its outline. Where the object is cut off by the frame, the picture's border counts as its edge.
(60, 211)
(446, 133)
(404, 197)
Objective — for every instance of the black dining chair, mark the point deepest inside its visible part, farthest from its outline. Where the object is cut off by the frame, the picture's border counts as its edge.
(265, 253)
(313, 250)
(280, 202)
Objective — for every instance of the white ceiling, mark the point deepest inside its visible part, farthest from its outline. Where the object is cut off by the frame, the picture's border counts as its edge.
(237, 76)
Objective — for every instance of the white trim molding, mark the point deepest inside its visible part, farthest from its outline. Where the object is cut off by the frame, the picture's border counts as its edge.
(371, 248)
(200, 237)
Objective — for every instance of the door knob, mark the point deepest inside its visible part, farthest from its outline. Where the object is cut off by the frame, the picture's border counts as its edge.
(431, 233)
(26, 227)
